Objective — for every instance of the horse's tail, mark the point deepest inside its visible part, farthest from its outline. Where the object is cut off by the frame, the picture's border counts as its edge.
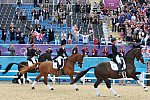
(81, 74)
(9, 67)
(30, 68)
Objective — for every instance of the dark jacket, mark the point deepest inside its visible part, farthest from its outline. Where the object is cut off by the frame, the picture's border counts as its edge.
(4, 33)
(31, 52)
(50, 35)
(74, 50)
(60, 53)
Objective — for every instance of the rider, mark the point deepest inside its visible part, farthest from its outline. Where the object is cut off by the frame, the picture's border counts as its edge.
(31, 53)
(115, 55)
(61, 51)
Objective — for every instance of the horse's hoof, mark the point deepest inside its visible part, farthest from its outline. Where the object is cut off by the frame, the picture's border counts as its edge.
(99, 95)
(117, 95)
(146, 89)
(33, 88)
(77, 89)
(52, 88)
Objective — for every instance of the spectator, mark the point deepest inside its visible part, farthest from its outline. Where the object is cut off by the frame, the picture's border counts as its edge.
(41, 13)
(33, 14)
(105, 51)
(23, 15)
(76, 32)
(85, 38)
(18, 34)
(140, 35)
(145, 52)
(85, 51)
(46, 14)
(12, 32)
(63, 37)
(57, 38)
(36, 17)
(4, 33)
(35, 3)
(12, 50)
(95, 41)
(49, 50)
(75, 49)
(50, 34)
(70, 37)
(19, 2)
(18, 18)
(54, 16)
(44, 34)
(121, 51)
(77, 7)
(22, 41)
(94, 52)
(68, 6)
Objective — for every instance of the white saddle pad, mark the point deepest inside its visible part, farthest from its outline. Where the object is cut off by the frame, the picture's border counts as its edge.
(59, 61)
(115, 67)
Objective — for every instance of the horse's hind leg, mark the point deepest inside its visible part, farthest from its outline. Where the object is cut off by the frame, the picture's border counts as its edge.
(140, 82)
(46, 82)
(96, 85)
(108, 84)
(37, 78)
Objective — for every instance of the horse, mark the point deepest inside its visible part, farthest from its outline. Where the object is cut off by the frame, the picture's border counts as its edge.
(24, 65)
(103, 71)
(46, 68)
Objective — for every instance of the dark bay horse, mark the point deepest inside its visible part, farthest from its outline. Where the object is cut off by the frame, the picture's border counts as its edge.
(103, 71)
(24, 65)
(46, 68)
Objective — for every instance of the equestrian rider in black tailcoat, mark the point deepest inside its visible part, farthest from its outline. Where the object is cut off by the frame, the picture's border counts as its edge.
(115, 55)
(61, 51)
(31, 53)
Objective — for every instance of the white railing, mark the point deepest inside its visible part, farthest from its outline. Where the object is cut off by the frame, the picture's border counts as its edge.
(142, 77)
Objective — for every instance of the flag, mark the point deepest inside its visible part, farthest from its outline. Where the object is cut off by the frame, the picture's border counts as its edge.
(39, 36)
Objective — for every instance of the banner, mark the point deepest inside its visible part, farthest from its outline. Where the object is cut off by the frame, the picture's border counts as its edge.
(113, 3)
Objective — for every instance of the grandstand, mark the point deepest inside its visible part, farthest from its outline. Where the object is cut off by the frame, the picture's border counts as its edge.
(99, 19)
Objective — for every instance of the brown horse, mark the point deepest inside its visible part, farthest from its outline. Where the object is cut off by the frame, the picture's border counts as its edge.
(103, 71)
(46, 68)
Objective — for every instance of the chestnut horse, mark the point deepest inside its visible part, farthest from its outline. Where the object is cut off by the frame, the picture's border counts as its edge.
(46, 68)
(103, 71)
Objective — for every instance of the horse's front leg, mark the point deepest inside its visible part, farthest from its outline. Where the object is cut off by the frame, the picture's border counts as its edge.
(140, 82)
(74, 85)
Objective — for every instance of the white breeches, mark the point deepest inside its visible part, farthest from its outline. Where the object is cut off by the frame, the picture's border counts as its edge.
(30, 62)
(118, 59)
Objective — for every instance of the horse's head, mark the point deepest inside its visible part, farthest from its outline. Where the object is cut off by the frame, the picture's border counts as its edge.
(80, 60)
(138, 55)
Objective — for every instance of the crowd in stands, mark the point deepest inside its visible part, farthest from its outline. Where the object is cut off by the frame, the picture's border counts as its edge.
(132, 21)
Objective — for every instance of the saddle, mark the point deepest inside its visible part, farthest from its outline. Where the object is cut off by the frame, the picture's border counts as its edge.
(59, 61)
(114, 66)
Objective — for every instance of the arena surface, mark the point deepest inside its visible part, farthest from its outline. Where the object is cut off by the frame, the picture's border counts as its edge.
(11, 91)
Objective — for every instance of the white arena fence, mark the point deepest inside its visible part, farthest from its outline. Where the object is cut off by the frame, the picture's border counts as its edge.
(142, 77)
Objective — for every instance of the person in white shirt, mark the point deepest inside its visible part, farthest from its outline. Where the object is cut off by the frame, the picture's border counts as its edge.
(63, 36)
(140, 34)
(85, 37)
(76, 32)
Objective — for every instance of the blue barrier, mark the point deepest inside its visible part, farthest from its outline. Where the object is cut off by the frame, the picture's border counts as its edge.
(88, 62)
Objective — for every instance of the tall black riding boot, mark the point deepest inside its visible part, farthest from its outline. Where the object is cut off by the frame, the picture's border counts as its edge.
(119, 69)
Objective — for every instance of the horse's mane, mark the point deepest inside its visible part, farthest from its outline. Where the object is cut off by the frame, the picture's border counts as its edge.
(130, 51)
(73, 55)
